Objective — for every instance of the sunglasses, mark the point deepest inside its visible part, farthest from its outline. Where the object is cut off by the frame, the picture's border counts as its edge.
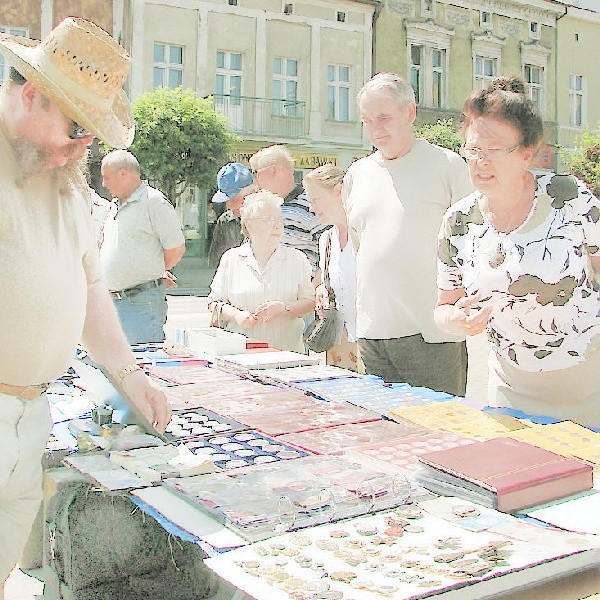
(77, 132)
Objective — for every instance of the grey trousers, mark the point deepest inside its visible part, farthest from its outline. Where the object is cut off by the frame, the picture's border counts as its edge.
(441, 367)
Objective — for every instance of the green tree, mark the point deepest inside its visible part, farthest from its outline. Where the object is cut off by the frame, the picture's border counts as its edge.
(583, 160)
(180, 140)
(441, 133)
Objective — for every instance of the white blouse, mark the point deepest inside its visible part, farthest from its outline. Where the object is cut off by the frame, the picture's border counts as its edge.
(286, 277)
(342, 275)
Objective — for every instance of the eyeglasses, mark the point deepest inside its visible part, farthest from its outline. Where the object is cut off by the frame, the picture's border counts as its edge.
(491, 154)
(272, 221)
(257, 171)
(78, 132)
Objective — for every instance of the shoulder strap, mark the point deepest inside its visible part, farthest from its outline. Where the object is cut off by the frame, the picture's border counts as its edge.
(326, 280)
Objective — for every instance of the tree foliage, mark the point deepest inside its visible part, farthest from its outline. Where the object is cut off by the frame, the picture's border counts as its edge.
(441, 133)
(583, 160)
(179, 140)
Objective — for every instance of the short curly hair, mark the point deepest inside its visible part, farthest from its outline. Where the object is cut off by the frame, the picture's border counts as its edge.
(505, 99)
(255, 205)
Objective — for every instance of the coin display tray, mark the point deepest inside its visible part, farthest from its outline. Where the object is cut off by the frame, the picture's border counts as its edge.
(183, 374)
(220, 393)
(370, 393)
(453, 416)
(306, 373)
(200, 422)
(335, 440)
(243, 449)
(358, 559)
(403, 453)
(312, 415)
(258, 501)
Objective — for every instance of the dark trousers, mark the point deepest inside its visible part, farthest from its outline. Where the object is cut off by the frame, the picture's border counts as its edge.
(441, 367)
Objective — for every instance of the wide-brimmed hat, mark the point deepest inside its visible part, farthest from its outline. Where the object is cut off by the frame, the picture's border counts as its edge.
(231, 180)
(81, 69)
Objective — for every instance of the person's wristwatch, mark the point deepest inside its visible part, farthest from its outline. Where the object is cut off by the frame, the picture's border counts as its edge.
(127, 370)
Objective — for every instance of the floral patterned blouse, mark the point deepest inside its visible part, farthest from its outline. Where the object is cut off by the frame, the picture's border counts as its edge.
(538, 278)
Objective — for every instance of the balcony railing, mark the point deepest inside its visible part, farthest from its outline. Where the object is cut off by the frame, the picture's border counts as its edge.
(263, 116)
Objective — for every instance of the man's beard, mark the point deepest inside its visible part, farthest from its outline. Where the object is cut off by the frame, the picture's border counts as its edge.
(34, 161)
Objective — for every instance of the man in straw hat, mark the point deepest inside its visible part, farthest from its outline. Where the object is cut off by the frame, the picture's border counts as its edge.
(60, 93)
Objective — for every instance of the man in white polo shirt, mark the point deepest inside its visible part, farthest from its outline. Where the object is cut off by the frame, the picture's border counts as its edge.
(142, 241)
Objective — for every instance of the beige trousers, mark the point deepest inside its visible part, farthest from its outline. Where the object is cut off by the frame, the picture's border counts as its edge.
(24, 429)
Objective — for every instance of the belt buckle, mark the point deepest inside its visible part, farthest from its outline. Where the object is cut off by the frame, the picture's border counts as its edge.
(118, 295)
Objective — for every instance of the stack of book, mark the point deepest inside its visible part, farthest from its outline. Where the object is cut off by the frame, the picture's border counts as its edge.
(503, 473)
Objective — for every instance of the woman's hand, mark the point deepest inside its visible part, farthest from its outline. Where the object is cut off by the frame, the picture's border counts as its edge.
(458, 318)
(267, 311)
(321, 299)
(245, 319)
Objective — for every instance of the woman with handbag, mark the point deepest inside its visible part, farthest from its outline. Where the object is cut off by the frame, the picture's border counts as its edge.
(337, 291)
(263, 288)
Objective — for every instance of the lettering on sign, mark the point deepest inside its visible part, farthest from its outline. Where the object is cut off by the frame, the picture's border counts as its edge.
(311, 161)
(303, 161)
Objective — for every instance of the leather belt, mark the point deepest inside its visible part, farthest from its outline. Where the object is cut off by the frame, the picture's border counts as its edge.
(136, 289)
(24, 392)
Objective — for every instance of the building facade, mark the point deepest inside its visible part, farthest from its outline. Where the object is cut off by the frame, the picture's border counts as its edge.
(447, 48)
(288, 72)
(280, 72)
(577, 75)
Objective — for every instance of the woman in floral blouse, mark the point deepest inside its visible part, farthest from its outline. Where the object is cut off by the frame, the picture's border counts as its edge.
(519, 258)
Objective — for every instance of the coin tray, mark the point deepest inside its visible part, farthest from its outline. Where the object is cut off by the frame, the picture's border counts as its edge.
(200, 423)
(243, 449)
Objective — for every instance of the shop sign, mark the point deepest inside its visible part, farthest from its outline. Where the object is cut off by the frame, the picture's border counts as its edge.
(303, 161)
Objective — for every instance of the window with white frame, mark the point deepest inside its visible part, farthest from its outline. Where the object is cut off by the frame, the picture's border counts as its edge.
(485, 19)
(534, 61)
(534, 30)
(428, 56)
(533, 76)
(228, 77)
(285, 87)
(486, 51)
(22, 31)
(168, 66)
(486, 69)
(437, 77)
(576, 100)
(338, 92)
(416, 59)
(428, 75)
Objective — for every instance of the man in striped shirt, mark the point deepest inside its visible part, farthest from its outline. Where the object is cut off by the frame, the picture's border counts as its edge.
(273, 170)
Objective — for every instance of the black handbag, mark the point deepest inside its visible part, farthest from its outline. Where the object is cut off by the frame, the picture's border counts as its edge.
(326, 331)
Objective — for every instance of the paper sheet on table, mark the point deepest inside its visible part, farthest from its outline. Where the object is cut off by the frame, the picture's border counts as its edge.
(184, 515)
(575, 515)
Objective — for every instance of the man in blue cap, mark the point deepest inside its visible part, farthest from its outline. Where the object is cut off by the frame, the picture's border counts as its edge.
(235, 182)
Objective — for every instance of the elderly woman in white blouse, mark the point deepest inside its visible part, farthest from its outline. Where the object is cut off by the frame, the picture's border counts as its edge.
(262, 288)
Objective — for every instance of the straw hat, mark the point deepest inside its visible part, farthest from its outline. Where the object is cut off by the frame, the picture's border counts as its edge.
(81, 69)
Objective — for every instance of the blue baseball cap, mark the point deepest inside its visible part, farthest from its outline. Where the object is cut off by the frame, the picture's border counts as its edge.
(231, 180)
